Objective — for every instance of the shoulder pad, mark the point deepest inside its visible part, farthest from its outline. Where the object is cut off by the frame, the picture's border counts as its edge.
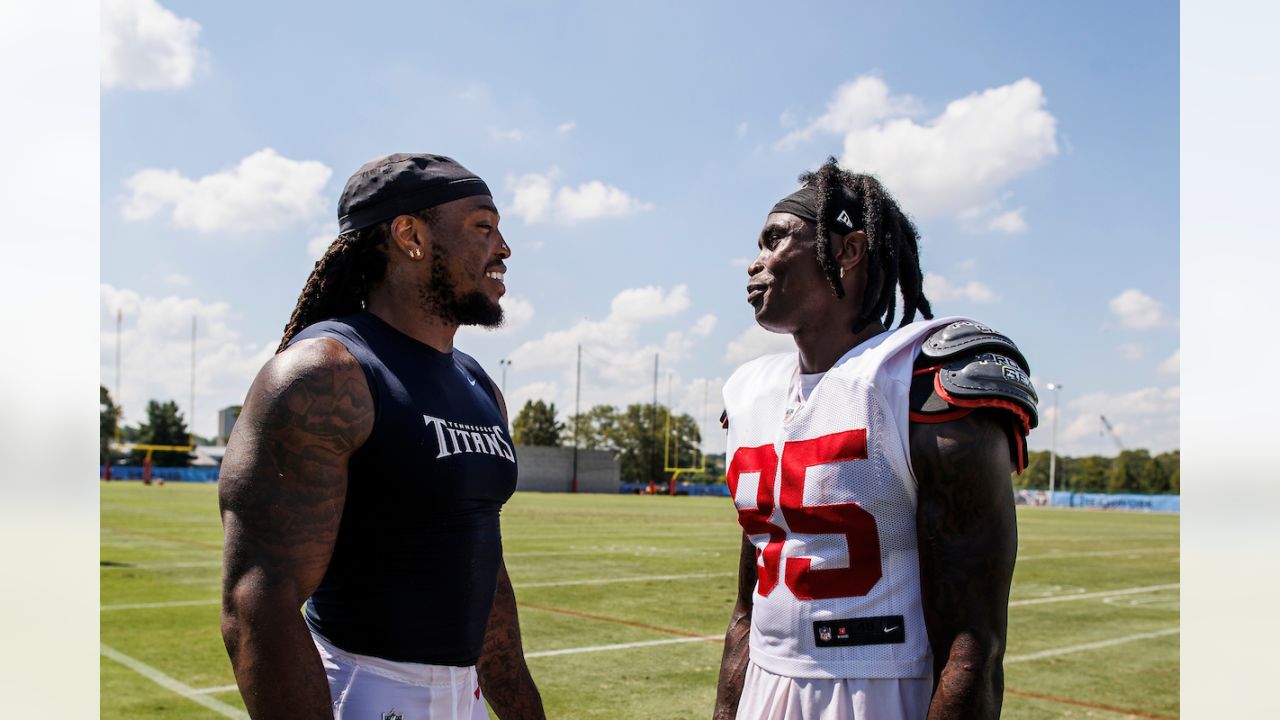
(967, 338)
(988, 379)
(969, 365)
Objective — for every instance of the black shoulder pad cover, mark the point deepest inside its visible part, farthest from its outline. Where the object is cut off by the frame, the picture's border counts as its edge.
(967, 338)
(977, 367)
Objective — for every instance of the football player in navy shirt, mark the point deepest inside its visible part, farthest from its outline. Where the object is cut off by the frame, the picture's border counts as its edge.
(364, 479)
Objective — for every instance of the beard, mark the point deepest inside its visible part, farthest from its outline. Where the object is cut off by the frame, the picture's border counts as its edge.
(441, 298)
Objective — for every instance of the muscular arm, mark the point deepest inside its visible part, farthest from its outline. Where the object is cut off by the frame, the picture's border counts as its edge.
(968, 540)
(281, 490)
(737, 650)
(504, 675)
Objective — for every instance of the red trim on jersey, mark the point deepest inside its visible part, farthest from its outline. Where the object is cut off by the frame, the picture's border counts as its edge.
(984, 402)
(1021, 441)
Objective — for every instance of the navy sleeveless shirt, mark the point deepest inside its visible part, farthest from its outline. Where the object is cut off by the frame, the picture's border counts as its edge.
(415, 565)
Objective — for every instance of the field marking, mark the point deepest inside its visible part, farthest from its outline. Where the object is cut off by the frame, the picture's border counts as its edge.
(1091, 646)
(1094, 595)
(173, 685)
(1098, 553)
(1094, 706)
(218, 689)
(609, 581)
(622, 646)
(616, 621)
(163, 565)
(153, 605)
(166, 538)
(518, 586)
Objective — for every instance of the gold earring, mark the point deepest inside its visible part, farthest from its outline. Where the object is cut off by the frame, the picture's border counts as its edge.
(415, 254)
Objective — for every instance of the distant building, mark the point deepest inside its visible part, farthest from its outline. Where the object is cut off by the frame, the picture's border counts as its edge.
(226, 420)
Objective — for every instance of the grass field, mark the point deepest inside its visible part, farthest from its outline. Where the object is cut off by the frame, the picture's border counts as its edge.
(618, 594)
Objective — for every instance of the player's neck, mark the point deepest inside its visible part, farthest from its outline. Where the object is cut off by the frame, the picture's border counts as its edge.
(821, 346)
(407, 315)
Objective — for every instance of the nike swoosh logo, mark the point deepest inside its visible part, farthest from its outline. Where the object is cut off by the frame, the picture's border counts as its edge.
(889, 630)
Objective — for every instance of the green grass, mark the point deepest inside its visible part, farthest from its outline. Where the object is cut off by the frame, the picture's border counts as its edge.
(161, 545)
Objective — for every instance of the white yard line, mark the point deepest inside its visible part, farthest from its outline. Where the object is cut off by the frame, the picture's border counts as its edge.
(218, 689)
(1094, 595)
(172, 685)
(153, 605)
(1098, 553)
(553, 583)
(609, 581)
(621, 646)
(1091, 646)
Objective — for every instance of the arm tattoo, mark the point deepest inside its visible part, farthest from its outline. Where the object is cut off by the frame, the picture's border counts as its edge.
(967, 533)
(281, 491)
(504, 675)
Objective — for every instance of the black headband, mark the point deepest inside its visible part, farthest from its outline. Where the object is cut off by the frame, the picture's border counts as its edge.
(844, 214)
(400, 184)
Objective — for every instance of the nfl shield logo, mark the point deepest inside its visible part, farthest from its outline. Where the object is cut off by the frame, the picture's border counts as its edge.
(392, 715)
(824, 632)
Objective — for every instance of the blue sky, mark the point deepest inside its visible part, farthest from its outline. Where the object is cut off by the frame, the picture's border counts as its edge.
(634, 152)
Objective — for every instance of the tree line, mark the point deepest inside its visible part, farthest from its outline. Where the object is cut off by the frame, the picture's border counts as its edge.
(165, 425)
(637, 435)
(1132, 471)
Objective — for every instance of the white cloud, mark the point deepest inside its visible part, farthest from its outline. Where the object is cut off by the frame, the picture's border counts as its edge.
(156, 354)
(1132, 351)
(939, 289)
(512, 135)
(856, 105)
(639, 305)
(1010, 222)
(319, 245)
(617, 365)
(265, 191)
(754, 342)
(1144, 418)
(565, 127)
(742, 130)
(1136, 309)
(537, 199)
(943, 165)
(147, 47)
(1172, 365)
(177, 280)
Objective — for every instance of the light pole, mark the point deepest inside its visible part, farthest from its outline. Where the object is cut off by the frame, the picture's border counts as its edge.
(504, 364)
(1053, 442)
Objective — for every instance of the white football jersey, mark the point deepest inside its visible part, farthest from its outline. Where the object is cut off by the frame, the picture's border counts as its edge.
(824, 490)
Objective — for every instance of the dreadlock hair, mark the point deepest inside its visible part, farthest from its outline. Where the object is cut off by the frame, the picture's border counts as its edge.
(892, 246)
(340, 283)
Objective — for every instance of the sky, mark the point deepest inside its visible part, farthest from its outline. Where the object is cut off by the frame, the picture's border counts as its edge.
(634, 152)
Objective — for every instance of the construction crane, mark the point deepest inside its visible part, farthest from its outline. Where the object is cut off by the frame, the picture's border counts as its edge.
(1112, 432)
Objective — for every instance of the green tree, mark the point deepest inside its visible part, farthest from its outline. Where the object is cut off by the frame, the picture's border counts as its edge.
(595, 428)
(164, 426)
(108, 419)
(1153, 478)
(636, 436)
(1088, 474)
(537, 425)
(1036, 474)
(1122, 476)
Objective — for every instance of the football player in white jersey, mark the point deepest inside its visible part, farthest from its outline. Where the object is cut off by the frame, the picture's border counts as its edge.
(871, 474)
